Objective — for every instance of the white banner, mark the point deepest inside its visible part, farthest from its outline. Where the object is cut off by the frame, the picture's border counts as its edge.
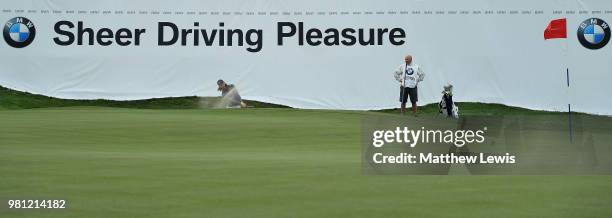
(308, 54)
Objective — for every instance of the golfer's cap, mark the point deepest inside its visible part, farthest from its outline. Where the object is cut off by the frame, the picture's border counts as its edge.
(220, 82)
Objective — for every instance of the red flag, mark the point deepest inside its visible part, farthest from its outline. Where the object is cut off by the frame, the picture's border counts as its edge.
(556, 29)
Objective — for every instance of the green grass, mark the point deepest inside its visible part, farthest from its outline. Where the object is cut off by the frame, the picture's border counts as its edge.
(256, 162)
(247, 163)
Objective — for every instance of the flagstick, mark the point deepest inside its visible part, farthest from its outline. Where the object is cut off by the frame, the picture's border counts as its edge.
(558, 29)
(569, 108)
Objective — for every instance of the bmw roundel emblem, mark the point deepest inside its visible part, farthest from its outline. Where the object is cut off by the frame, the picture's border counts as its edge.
(19, 32)
(409, 71)
(594, 33)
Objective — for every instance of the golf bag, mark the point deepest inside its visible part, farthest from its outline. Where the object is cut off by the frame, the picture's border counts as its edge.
(447, 107)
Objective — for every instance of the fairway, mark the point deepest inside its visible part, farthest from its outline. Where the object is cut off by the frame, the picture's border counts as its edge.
(112, 162)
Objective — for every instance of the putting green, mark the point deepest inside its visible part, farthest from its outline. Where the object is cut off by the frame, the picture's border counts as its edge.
(109, 162)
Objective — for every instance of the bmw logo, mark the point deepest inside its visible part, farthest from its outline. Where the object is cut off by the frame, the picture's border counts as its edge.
(19, 32)
(409, 71)
(594, 33)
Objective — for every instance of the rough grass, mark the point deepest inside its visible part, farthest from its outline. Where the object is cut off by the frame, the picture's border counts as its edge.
(12, 99)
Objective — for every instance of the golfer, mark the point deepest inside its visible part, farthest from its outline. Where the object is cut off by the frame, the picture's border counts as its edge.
(409, 75)
(230, 96)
